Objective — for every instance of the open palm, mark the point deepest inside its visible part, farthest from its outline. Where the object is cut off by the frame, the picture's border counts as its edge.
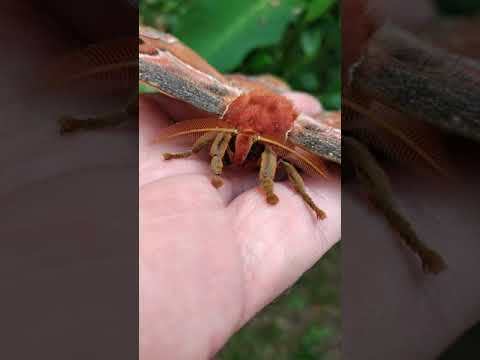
(210, 259)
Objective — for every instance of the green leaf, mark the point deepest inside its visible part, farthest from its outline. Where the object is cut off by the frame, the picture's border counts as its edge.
(331, 101)
(316, 335)
(261, 61)
(311, 41)
(317, 8)
(309, 81)
(296, 301)
(145, 89)
(223, 32)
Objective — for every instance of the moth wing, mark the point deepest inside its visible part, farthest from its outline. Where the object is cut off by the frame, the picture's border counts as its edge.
(264, 82)
(398, 137)
(317, 137)
(176, 78)
(151, 40)
(113, 63)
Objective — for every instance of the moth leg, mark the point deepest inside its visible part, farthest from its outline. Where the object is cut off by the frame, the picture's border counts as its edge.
(376, 182)
(201, 142)
(268, 168)
(217, 152)
(297, 182)
(70, 124)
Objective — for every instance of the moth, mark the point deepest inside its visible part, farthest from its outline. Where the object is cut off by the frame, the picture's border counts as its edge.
(423, 81)
(246, 112)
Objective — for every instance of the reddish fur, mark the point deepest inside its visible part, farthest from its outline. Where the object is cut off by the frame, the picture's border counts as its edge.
(262, 113)
(259, 113)
(243, 143)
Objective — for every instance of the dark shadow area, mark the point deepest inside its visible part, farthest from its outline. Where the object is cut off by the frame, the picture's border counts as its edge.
(410, 203)
(69, 201)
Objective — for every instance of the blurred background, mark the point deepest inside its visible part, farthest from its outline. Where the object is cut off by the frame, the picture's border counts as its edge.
(299, 41)
(452, 25)
(466, 14)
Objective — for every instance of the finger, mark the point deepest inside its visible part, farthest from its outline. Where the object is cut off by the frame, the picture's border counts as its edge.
(177, 110)
(279, 243)
(151, 120)
(157, 112)
(152, 166)
(304, 102)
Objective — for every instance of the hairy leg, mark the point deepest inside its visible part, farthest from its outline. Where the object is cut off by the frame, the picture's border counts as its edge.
(268, 168)
(297, 182)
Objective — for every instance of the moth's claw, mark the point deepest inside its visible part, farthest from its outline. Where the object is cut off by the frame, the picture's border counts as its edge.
(320, 214)
(68, 124)
(217, 182)
(432, 263)
(272, 199)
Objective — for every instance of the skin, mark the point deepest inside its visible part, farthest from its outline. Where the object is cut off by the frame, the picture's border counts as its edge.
(224, 263)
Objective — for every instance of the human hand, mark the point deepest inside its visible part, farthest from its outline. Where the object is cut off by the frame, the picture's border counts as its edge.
(211, 259)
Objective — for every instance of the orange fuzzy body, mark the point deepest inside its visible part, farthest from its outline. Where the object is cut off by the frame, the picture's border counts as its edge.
(259, 113)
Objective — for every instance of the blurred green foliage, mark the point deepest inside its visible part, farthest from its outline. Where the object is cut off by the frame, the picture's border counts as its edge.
(303, 324)
(234, 28)
(299, 41)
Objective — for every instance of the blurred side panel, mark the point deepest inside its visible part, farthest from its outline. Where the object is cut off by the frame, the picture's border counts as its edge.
(410, 202)
(69, 199)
